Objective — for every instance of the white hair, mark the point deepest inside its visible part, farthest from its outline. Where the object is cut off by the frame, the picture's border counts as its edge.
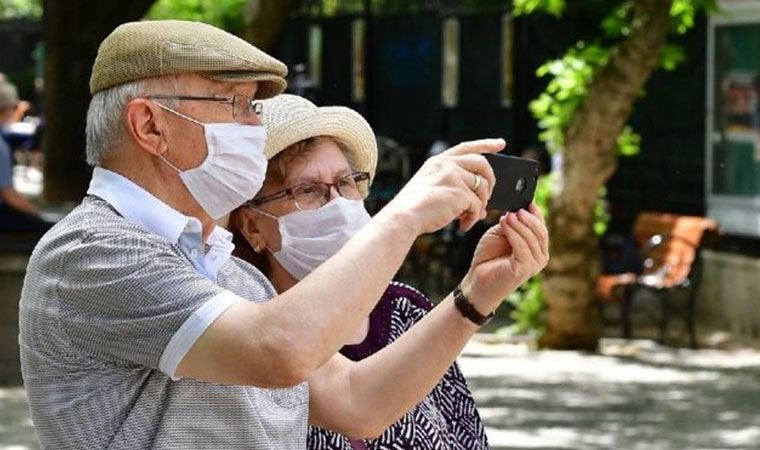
(105, 126)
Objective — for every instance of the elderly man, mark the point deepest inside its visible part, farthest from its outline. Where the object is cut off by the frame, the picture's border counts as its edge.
(138, 330)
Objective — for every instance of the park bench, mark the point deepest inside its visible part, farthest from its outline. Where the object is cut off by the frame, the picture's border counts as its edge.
(669, 248)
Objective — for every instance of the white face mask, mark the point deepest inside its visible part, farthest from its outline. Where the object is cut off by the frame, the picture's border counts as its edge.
(234, 169)
(311, 237)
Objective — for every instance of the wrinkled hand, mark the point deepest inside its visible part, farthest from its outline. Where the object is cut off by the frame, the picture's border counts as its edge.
(442, 190)
(507, 256)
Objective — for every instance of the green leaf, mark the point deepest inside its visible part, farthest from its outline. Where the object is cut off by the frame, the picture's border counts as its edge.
(15, 9)
(226, 14)
(553, 7)
(628, 142)
(672, 56)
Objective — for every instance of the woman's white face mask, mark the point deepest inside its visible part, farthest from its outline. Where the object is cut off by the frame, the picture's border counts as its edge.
(311, 237)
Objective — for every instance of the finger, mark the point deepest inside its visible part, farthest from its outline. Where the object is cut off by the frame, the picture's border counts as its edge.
(520, 250)
(477, 164)
(537, 228)
(483, 191)
(471, 210)
(531, 240)
(520, 254)
(536, 211)
(479, 146)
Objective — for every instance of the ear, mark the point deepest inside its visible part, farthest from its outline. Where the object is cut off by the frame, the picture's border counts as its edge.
(146, 125)
(249, 225)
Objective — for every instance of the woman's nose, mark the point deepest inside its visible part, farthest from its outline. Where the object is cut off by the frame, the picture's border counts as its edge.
(333, 192)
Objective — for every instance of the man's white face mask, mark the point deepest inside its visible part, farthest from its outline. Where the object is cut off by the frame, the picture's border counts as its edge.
(234, 169)
(311, 237)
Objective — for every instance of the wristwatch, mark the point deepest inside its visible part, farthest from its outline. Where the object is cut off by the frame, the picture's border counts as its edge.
(468, 309)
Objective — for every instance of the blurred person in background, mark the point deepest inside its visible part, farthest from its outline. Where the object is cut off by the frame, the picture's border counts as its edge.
(17, 213)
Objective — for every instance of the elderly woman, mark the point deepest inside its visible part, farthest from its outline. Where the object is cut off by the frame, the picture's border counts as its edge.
(321, 163)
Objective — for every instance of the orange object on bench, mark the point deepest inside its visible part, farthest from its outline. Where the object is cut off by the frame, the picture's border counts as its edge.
(669, 247)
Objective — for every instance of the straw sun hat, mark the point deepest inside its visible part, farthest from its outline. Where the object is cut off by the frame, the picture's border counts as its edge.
(290, 119)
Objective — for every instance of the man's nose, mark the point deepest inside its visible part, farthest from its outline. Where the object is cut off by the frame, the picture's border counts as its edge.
(253, 119)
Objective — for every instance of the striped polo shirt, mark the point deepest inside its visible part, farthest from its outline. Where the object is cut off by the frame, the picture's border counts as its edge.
(114, 297)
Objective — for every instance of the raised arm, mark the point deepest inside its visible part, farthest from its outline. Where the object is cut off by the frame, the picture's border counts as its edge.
(282, 342)
(362, 399)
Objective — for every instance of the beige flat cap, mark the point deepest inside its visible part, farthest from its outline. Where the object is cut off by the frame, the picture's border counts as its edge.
(148, 49)
(290, 119)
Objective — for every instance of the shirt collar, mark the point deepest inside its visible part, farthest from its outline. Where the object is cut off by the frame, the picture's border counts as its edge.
(138, 205)
(142, 208)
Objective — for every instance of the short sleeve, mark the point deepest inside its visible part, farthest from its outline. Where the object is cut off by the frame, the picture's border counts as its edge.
(6, 171)
(137, 300)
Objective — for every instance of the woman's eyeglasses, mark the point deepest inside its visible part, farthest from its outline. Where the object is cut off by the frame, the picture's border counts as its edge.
(316, 194)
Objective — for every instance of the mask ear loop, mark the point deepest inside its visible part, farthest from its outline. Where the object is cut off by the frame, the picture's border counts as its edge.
(258, 249)
(162, 106)
(166, 108)
(262, 212)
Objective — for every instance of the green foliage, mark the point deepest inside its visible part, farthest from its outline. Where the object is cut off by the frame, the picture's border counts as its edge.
(21, 9)
(628, 143)
(553, 7)
(226, 14)
(618, 22)
(671, 57)
(683, 13)
(528, 304)
(570, 77)
(571, 74)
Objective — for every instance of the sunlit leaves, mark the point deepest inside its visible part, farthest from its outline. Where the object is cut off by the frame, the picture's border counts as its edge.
(14, 9)
(683, 13)
(553, 7)
(672, 56)
(226, 14)
(628, 142)
(570, 77)
(618, 22)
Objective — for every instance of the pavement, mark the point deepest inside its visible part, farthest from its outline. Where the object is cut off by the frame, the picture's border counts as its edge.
(632, 395)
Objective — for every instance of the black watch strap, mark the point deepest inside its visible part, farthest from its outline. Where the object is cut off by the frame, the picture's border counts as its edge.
(468, 309)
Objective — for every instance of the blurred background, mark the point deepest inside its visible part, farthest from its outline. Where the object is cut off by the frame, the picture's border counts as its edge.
(645, 118)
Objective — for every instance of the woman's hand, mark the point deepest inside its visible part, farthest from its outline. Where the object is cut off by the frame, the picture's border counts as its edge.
(507, 255)
(453, 185)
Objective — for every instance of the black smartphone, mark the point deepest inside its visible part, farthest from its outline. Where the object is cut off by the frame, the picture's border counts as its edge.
(516, 180)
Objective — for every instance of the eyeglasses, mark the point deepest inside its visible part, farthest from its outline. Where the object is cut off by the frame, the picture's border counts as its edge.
(244, 109)
(316, 194)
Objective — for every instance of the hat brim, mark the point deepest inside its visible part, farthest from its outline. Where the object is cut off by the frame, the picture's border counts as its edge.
(270, 85)
(338, 122)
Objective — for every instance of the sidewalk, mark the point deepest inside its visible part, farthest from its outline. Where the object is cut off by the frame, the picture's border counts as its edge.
(634, 396)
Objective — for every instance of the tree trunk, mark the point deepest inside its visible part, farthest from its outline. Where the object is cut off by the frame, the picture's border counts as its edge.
(264, 19)
(73, 31)
(589, 161)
